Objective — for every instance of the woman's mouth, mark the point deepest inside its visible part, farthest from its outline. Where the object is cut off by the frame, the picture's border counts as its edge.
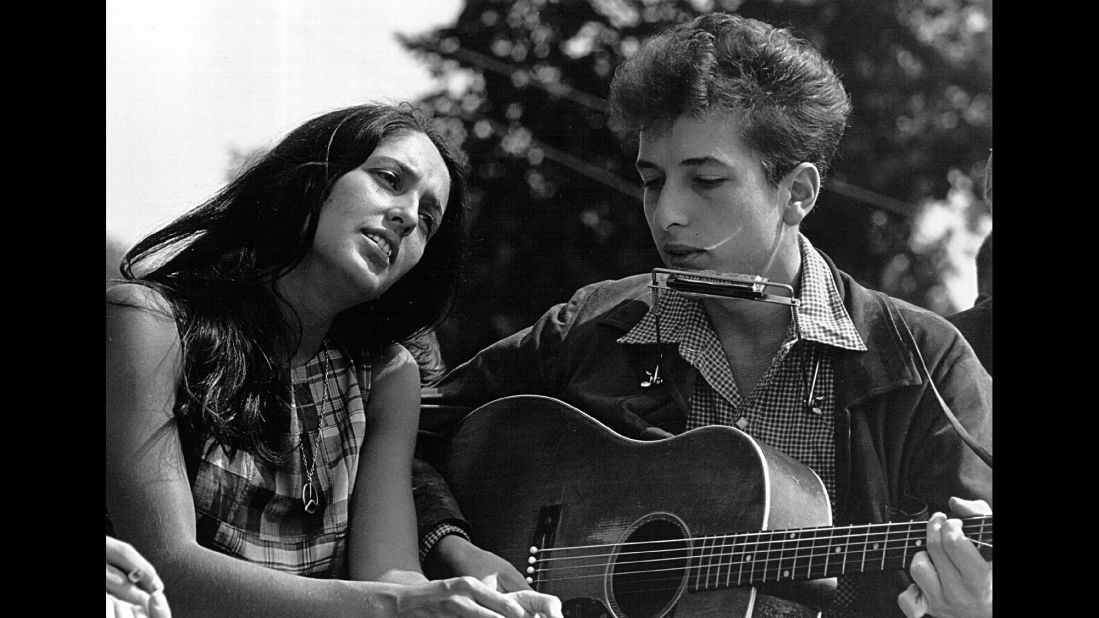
(383, 246)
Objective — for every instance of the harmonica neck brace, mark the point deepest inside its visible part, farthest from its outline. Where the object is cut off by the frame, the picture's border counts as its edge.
(710, 284)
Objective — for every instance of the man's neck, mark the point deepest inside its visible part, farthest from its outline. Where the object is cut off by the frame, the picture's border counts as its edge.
(751, 332)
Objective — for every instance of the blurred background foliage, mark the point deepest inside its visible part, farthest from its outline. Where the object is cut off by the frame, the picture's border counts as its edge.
(555, 197)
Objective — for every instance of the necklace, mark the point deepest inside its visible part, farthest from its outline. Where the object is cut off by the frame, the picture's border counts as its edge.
(310, 497)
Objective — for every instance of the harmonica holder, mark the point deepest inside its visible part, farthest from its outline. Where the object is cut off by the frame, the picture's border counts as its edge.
(711, 284)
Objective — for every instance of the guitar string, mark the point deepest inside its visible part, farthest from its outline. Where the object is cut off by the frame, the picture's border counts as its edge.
(978, 523)
(766, 564)
(755, 573)
(772, 567)
(778, 562)
(982, 525)
(811, 545)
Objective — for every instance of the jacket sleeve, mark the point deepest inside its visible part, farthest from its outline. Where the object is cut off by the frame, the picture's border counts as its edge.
(933, 463)
(522, 363)
(941, 464)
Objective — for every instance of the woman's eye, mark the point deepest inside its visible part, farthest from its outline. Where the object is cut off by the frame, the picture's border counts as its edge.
(652, 183)
(393, 180)
(429, 222)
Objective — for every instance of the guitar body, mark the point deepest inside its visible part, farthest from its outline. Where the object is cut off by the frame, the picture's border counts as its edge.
(531, 471)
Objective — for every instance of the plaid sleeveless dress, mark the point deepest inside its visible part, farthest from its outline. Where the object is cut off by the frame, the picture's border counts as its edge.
(253, 510)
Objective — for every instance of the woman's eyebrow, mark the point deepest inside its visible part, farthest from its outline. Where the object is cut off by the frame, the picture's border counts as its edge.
(404, 167)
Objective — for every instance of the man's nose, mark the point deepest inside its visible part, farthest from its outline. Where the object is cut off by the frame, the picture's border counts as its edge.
(671, 207)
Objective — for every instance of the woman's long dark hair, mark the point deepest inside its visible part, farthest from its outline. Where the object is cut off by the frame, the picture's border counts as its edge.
(215, 265)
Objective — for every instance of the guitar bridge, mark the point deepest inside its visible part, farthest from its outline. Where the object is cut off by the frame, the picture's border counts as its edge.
(545, 535)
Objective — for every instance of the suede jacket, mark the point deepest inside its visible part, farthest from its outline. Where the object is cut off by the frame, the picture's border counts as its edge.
(897, 456)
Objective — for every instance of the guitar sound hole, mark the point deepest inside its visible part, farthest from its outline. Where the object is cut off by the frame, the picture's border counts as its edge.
(649, 569)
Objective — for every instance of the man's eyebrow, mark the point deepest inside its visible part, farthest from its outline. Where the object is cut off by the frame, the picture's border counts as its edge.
(707, 160)
(688, 162)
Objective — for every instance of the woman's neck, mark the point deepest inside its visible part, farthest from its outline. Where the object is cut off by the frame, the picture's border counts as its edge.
(306, 315)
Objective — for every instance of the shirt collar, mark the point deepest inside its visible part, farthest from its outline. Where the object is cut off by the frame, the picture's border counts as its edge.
(820, 316)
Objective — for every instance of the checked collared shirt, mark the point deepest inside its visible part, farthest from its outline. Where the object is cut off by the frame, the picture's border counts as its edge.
(777, 412)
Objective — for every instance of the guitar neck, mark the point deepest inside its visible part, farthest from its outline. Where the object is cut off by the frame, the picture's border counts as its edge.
(813, 553)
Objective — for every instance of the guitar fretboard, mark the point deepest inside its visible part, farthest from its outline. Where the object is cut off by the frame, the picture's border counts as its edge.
(812, 553)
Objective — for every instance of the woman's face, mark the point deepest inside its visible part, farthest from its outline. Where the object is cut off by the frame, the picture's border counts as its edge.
(378, 218)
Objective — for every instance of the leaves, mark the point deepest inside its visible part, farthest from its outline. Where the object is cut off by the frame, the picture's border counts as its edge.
(553, 188)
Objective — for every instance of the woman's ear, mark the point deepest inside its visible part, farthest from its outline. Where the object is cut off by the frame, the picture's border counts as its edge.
(802, 186)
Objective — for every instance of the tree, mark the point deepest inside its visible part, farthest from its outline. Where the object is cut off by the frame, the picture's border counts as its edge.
(554, 195)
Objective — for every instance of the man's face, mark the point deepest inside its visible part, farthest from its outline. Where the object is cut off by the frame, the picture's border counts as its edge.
(707, 200)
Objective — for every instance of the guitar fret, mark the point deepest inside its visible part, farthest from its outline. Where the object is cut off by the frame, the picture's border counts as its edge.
(751, 557)
(866, 539)
(709, 564)
(792, 572)
(727, 553)
(809, 553)
(740, 567)
(814, 553)
(732, 558)
(772, 562)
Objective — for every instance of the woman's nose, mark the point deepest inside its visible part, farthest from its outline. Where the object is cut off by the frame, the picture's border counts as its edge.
(402, 216)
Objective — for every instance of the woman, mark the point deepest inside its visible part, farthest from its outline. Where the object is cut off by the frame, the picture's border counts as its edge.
(260, 416)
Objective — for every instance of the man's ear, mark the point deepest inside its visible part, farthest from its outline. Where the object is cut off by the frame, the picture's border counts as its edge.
(802, 186)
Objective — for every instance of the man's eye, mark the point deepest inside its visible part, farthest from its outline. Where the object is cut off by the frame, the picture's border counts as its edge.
(652, 183)
(709, 181)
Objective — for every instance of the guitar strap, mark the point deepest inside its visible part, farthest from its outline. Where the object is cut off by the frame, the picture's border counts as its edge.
(975, 446)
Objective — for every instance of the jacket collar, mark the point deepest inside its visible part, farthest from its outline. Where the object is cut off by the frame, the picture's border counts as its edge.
(886, 364)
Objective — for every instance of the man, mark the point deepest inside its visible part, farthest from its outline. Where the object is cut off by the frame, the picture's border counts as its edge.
(737, 122)
(975, 323)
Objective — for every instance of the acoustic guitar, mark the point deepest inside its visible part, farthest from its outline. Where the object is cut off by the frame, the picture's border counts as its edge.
(688, 526)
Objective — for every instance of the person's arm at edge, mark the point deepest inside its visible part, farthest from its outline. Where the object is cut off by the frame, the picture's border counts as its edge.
(961, 584)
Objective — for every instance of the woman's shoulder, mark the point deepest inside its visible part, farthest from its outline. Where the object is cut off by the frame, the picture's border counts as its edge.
(392, 358)
(140, 310)
(138, 295)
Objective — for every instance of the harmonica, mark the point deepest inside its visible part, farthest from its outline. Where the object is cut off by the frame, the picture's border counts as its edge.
(712, 284)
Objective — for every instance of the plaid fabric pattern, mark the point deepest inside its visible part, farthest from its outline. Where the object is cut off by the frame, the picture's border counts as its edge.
(776, 411)
(438, 532)
(251, 510)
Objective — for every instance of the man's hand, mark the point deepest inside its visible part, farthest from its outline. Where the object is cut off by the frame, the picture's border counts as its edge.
(952, 579)
(453, 556)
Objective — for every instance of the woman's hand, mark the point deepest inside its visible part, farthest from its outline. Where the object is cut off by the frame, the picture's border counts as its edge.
(952, 579)
(469, 597)
(133, 587)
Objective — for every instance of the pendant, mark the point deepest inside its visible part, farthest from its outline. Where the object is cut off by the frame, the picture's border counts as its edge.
(652, 378)
(310, 498)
